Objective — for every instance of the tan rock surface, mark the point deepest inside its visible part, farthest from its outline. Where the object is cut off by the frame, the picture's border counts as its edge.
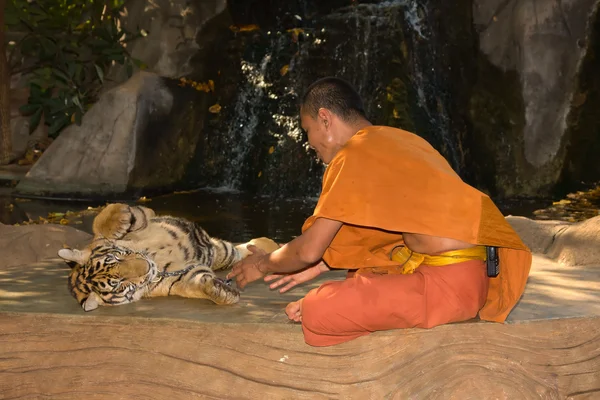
(185, 348)
(20, 245)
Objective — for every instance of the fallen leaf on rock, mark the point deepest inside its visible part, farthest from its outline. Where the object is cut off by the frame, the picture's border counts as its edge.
(244, 28)
(185, 191)
(143, 199)
(295, 33)
(284, 70)
(215, 108)
(271, 150)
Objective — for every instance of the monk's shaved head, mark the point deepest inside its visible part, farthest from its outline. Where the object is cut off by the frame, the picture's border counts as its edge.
(336, 95)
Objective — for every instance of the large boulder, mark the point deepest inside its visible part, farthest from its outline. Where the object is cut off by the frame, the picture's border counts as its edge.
(23, 245)
(569, 244)
(138, 137)
(528, 93)
(172, 34)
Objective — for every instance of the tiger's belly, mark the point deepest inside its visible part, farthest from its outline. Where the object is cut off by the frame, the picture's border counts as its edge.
(167, 252)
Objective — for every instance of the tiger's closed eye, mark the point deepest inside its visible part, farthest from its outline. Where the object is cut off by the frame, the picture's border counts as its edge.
(111, 259)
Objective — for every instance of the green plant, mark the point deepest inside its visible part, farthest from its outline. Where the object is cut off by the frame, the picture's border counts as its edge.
(65, 48)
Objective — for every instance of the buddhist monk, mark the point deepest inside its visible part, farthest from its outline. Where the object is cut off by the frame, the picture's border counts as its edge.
(412, 235)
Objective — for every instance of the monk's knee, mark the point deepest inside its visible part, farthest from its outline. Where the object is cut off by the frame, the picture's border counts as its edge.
(321, 310)
(314, 313)
(324, 319)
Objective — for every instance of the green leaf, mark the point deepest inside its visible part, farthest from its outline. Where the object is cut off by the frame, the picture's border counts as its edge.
(29, 45)
(58, 124)
(71, 67)
(29, 108)
(57, 105)
(36, 94)
(61, 75)
(76, 101)
(48, 45)
(78, 115)
(78, 70)
(11, 17)
(34, 120)
(100, 73)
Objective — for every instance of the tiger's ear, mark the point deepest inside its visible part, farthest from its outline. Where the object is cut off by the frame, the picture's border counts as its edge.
(72, 256)
(92, 302)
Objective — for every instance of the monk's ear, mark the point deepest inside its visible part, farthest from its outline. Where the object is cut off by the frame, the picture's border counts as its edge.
(325, 116)
(72, 257)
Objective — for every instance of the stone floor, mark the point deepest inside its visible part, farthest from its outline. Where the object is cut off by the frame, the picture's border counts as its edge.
(553, 291)
(179, 348)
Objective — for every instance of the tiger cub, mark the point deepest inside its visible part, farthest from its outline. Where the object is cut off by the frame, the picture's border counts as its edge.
(135, 254)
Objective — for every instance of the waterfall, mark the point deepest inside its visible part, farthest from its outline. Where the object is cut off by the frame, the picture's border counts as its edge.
(248, 107)
(364, 44)
(428, 82)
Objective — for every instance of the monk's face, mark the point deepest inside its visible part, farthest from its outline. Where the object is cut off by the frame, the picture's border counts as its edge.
(320, 136)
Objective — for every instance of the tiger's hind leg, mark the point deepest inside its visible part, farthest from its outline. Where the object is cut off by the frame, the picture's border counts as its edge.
(117, 219)
(202, 283)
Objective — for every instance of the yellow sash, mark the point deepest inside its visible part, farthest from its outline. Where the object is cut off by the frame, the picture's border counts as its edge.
(410, 260)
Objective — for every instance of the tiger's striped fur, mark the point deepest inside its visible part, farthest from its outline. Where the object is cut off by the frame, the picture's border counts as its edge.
(135, 254)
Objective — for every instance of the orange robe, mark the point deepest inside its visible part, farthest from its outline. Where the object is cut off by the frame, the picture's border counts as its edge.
(386, 181)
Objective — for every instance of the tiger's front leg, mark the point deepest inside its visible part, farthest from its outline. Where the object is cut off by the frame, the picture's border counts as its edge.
(202, 283)
(117, 219)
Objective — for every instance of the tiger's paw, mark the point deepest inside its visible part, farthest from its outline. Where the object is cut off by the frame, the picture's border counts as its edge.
(113, 222)
(263, 243)
(219, 291)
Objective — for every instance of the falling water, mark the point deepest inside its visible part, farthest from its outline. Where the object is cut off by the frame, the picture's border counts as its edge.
(428, 82)
(243, 127)
(360, 43)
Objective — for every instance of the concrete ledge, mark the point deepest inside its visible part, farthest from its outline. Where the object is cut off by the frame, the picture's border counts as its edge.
(175, 348)
(70, 357)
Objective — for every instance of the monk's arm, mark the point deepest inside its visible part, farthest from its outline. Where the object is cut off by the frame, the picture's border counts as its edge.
(305, 250)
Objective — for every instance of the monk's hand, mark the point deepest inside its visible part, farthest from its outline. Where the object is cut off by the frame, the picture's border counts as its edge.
(291, 280)
(250, 268)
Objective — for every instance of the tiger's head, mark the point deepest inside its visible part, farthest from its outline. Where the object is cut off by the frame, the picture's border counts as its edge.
(108, 275)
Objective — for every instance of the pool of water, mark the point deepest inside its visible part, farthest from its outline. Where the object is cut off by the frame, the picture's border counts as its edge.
(228, 215)
(238, 216)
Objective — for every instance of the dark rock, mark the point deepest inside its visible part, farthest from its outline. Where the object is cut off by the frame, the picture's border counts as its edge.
(527, 76)
(138, 138)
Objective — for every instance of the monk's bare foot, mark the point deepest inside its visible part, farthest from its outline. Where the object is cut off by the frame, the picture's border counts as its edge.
(294, 311)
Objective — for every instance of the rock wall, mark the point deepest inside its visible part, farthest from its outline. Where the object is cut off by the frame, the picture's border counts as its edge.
(505, 90)
(530, 63)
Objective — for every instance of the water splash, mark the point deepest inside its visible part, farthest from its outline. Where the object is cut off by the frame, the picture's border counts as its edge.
(246, 118)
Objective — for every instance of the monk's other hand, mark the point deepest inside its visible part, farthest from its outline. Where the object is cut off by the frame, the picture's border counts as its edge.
(294, 311)
(250, 268)
(296, 278)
